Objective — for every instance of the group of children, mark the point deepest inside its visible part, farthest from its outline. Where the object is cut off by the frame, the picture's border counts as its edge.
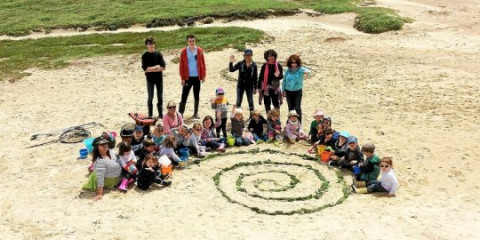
(346, 153)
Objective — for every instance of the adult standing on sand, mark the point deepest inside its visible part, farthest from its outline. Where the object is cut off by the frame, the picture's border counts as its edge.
(292, 84)
(269, 81)
(153, 65)
(192, 73)
(247, 78)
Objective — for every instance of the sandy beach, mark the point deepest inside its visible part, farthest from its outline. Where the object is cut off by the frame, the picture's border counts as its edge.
(414, 93)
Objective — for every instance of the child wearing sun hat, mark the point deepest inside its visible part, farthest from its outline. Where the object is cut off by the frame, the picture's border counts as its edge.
(293, 129)
(318, 119)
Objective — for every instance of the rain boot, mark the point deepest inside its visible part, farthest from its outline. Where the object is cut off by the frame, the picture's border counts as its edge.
(181, 108)
(150, 109)
(195, 112)
(160, 110)
(123, 185)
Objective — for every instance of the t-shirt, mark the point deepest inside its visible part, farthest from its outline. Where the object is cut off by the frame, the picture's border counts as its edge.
(221, 105)
(192, 63)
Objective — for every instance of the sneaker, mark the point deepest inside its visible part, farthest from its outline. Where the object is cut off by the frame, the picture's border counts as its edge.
(163, 182)
(354, 189)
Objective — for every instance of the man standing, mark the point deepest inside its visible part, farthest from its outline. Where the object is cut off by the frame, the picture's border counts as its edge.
(153, 65)
(192, 73)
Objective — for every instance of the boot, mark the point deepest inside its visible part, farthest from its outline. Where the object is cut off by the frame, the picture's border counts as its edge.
(181, 108)
(131, 180)
(195, 112)
(123, 185)
(163, 182)
(160, 110)
(150, 109)
(360, 190)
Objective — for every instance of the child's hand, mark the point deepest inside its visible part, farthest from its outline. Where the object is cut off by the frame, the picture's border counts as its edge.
(212, 100)
(149, 169)
(353, 162)
(219, 114)
(277, 132)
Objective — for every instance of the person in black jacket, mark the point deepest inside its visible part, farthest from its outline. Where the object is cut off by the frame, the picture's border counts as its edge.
(352, 156)
(256, 126)
(247, 78)
(153, 65)
(148, 174)
(269, 81)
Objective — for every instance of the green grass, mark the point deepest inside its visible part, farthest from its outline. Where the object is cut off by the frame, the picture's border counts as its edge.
(21, 17)
(51, 53)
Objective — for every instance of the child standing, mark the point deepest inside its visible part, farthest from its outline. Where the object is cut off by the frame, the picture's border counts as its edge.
(220, 104)
(127, 160)
(148, 173)
(293, 129)
(238, 124)
(318, 119)
(388, 182)
(208, 134)
(256, 127)
(274, 125)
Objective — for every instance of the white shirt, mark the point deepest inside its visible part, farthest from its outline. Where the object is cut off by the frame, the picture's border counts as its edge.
(389, 181)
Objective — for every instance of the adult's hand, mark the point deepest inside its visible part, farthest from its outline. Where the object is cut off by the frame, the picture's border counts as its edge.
(254, 91)
(99, 194)
(183, 82)
(277, 73)
(202, 80)
(232, 58)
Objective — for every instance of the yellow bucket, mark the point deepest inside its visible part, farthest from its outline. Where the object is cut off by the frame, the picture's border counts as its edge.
(321, 149)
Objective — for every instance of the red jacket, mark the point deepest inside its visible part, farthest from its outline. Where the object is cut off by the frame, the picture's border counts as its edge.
(202, 70)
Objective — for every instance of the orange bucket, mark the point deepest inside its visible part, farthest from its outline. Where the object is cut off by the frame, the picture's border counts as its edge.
(166, 170)
(326, 156)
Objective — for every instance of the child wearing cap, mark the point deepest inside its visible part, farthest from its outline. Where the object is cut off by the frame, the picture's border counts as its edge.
(352, 156)
(137, 139)
(293, 129)
(317, 120)
(220, 104)
(238, 124)
(340, 148)
(247, 77)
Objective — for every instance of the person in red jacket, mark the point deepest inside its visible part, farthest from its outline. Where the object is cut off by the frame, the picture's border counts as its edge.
(192, 73)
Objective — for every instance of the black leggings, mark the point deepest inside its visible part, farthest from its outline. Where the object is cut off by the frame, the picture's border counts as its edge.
(272, 98)
(150, 86)
(223, 127)
(294, 101)
(192, 81)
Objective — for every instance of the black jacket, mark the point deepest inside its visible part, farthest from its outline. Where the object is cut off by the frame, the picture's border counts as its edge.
(247, 76)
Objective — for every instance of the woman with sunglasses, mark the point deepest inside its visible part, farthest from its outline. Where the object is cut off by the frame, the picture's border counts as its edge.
(106, 168)
(171, 119)
(292, 84)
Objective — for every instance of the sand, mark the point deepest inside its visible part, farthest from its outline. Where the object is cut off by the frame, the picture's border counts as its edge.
(414, 93)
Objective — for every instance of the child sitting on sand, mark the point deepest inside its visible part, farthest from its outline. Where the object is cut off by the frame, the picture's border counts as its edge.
(369, 169)
(168, 149)
(238, 124)
(388, 182)
(274, 126)
(256, 127)
(181, 135)
(352, 156)
(148, 148)
(148, 174)
(326, 139)
(158, 135)
(193, 143)
(293, 129)
(340, 148)
(128, 161)
(220, 104)
(208, 134)
(137, 139)
(317, 121)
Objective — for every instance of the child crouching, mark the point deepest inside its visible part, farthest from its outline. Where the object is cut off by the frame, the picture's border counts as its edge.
(148, 173)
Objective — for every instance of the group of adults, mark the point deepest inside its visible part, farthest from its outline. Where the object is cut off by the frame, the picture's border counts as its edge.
(192, 69)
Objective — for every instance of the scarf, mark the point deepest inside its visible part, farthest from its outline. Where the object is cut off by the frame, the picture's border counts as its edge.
(265, 76)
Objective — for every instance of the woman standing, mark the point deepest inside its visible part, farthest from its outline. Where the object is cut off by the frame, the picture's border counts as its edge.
(153, 65)
(107, 170)
(172, 118)
(247, 78)
(293, 83)
(269, 81)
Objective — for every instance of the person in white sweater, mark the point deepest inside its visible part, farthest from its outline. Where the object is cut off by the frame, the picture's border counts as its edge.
(388, 183)
(193, 143)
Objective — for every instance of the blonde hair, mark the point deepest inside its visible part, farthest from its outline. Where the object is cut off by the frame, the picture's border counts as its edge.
(197, 125)
(274, 113)
(169, 142)
(149, 157)
(256, 113)
(387, 160)
(239, 112)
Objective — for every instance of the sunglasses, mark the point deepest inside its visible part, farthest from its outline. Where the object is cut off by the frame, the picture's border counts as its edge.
(294, 62)
(172, 107)
(220, 94)
(198, 129)
(384, 166)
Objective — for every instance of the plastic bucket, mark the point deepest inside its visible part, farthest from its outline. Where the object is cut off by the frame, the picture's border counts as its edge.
(321, 149)
(356, 170)
(88, 144)
(326, 156)
(231, 141)
(83, 153)
(166, 170)
(184, 152)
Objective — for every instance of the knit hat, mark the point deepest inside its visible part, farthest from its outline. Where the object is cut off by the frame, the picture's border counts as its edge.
(352, 139)
(344, 134)
(219, 90)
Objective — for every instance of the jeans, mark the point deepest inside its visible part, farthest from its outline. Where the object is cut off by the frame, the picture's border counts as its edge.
(158, 83)
(375, 186)
(192, 81)
(263, 137)
(239, 141)
(294, 101)
(249, 92)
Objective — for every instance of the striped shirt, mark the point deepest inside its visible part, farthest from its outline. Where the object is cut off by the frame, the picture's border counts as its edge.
(107, 168)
